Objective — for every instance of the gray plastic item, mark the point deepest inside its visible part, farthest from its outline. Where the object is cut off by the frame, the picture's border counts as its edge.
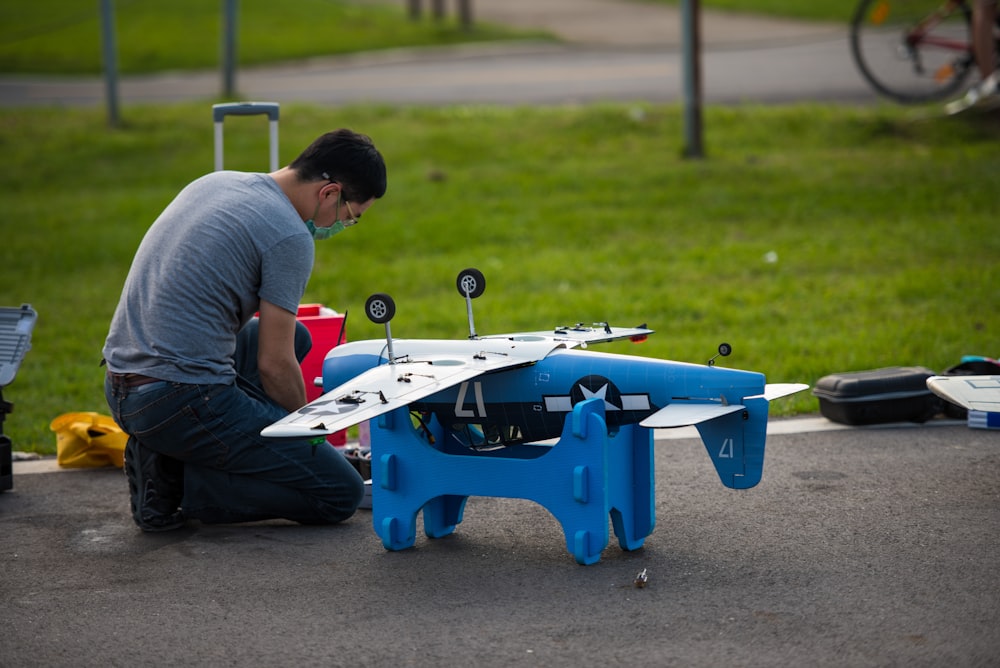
(270, 109)
(16, 325)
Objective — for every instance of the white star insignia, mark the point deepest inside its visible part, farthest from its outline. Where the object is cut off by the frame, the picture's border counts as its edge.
(599, 394)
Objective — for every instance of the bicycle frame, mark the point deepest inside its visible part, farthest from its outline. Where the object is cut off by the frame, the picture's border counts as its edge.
(919, 34)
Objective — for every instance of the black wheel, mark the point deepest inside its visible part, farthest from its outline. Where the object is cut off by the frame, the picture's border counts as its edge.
(913, 50)
(380, 308)
(725, 349)
(472, 282)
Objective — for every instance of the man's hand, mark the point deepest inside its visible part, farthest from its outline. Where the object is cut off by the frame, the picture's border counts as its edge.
(280, 373)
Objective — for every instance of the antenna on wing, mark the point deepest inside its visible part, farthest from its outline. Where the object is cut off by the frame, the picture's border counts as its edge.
(380, 308)
(471, 283)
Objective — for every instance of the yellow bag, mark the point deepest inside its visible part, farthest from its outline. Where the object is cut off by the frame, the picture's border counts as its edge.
(88, 440)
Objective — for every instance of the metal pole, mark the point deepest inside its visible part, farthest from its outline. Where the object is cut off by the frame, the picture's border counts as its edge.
(465, 14)
(110, 57)
(230, 17)
(691, 51)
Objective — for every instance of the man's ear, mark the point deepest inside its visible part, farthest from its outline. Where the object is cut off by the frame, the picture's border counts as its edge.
(331, 188)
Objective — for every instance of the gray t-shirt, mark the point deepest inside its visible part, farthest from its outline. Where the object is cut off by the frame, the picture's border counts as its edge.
(227, 241)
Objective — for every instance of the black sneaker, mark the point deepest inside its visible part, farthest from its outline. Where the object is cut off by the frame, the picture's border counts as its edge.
(155, 487)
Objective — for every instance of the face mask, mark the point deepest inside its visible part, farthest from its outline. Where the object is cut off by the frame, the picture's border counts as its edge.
(324, 233)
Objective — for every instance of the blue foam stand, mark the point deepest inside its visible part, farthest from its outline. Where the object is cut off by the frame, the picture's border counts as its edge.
(582, 479)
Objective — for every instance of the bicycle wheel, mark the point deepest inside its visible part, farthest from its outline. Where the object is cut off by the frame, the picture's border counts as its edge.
(913, 50)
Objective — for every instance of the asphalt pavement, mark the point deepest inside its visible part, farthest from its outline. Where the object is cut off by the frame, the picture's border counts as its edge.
(609, 50)
(860, 547)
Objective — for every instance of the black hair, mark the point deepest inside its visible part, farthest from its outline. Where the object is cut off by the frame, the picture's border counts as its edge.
(348, 158)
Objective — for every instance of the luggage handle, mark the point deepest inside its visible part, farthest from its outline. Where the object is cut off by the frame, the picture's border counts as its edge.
(270, 109)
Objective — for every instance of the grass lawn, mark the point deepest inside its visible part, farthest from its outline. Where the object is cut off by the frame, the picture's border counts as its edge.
(64, 36)
(814, 10)
(814, 239)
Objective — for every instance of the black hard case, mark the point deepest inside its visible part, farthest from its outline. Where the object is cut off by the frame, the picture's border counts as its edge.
(879, 396)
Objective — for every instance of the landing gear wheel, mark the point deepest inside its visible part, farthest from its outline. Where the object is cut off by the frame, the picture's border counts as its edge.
(725, 349)
(380, 308)
(471, 282)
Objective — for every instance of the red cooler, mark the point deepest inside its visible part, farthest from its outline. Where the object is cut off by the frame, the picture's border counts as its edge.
(327, 329)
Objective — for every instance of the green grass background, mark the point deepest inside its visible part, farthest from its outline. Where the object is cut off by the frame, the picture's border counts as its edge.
(63, 36)
(883, 225)
(882, 220)
(815, 10)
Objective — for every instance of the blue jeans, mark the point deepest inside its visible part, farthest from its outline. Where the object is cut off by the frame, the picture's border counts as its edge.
(232, 473)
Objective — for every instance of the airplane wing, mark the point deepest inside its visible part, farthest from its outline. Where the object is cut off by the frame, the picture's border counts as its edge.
(580, 334)
(390, 386)
(977, 393)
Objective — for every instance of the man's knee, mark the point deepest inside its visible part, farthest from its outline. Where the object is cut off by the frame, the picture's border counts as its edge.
(342, 500)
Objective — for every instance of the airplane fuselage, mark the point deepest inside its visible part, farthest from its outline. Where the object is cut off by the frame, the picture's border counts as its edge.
(529, 403)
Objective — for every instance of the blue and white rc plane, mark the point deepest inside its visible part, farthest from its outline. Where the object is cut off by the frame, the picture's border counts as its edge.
(499, 391)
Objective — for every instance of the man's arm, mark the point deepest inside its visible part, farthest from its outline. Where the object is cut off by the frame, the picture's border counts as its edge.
(280, 373)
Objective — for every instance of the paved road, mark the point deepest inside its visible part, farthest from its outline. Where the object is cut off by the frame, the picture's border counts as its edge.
(612, 51)
(861, 547)
(526, 74)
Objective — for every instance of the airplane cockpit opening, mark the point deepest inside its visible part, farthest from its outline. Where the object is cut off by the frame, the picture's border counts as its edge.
(486, 436)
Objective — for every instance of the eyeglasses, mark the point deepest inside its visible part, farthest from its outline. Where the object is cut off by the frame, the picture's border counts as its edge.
(353, 220)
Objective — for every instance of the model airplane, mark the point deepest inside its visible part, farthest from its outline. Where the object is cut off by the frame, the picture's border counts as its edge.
(498, 391)
(974, 393)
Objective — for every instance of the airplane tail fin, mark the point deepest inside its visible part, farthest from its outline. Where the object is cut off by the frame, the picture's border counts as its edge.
(733, 434)
(735, 442)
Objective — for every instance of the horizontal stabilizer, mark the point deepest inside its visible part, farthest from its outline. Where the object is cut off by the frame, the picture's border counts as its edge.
(684, 414)
(975, 393)
(774, 391)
